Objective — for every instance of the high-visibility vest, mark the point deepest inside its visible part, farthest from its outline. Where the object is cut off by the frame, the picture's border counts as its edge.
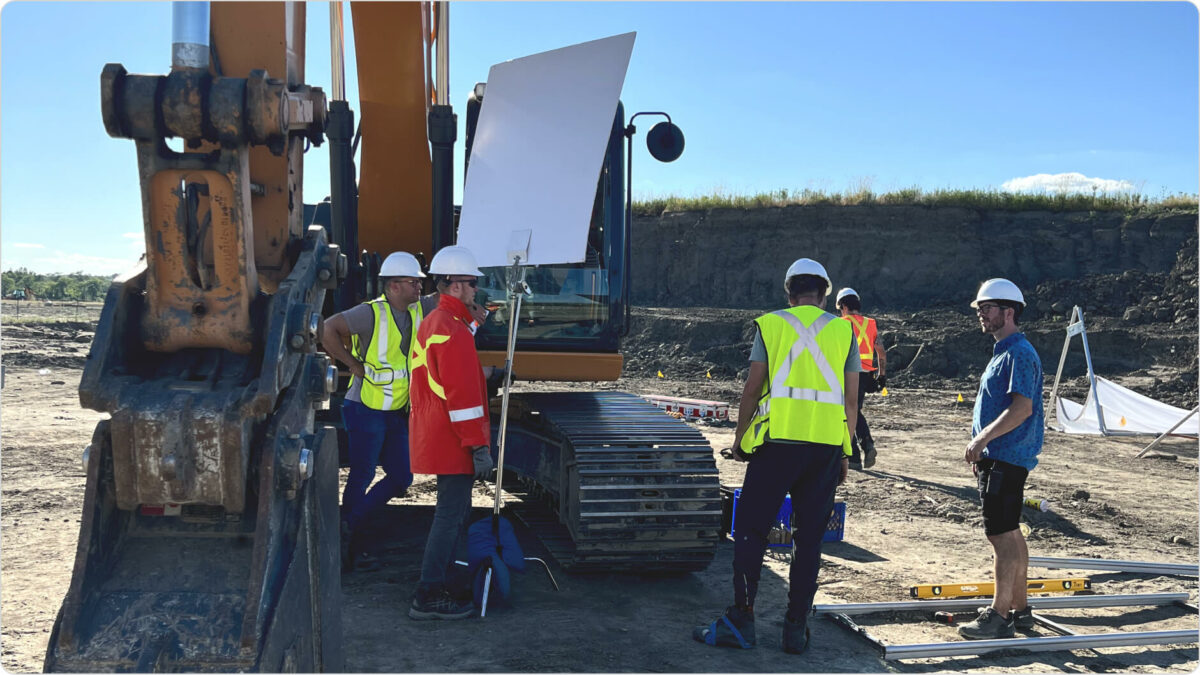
(804, 396)
(385, 382)
(864, 335)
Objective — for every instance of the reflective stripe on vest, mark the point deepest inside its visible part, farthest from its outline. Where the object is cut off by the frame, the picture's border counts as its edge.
(804, 397)
(420, 361)
(865, 336)
(385, 365)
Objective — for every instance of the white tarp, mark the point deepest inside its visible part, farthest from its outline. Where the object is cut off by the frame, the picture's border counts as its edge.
(539, 146)
(1125, 411)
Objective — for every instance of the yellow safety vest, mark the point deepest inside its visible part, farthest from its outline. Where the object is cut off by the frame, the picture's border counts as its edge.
(385, 386)
(804, 396)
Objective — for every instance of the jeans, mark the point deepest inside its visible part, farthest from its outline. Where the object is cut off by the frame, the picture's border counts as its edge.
(449, 519)
(377, 437)
(809, 471)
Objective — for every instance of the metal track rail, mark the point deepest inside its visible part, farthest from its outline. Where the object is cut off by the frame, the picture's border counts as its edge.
(1135, 566)
(1065, 602)
(630, 488)
(1067, 640)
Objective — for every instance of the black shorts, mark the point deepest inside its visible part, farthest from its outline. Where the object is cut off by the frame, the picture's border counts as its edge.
(1002, 494)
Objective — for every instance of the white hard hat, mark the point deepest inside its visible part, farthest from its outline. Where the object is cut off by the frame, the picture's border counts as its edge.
(998, 289)
(845, 292)
(809, 266)
(454, 260)
(401, 264)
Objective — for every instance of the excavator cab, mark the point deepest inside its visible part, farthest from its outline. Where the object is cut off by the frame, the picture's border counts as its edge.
(577, 307)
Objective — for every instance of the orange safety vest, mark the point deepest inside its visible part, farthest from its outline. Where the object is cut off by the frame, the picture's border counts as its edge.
(864, 334)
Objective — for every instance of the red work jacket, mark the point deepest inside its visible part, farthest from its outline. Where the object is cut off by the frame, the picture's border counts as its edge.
(448, 393)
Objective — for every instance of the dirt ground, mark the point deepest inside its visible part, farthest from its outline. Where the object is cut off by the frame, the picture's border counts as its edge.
(912, 519)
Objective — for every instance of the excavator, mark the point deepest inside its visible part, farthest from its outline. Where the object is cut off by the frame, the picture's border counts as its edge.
(209, 538)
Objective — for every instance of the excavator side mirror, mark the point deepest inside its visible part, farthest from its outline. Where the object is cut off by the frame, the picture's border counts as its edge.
(665, 142)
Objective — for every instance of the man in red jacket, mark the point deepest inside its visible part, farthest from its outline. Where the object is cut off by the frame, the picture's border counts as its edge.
(450, 426)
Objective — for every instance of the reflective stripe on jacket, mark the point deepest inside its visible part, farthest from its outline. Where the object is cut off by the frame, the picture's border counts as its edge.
(864, 335)
(385, 384)
(804, 395)
(449, 396)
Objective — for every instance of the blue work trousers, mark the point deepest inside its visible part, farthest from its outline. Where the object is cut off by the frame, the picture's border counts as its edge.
(809, 471)
(377, 438)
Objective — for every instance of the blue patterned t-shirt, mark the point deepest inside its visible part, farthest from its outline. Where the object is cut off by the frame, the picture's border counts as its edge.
(1015, 368)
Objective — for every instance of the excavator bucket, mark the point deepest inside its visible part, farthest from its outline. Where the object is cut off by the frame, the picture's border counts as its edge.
(209, 538)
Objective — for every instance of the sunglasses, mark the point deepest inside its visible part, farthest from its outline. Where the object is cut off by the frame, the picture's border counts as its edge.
(472, 282)
(985, 308)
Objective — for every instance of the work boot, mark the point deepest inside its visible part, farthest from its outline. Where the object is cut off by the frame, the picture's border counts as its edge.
(989, 626)
(795, 636)
(734, 628)
(437, 603)
(1023, 619)
(868, 454)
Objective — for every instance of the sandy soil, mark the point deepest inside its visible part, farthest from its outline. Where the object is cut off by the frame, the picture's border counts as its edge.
(912, 519)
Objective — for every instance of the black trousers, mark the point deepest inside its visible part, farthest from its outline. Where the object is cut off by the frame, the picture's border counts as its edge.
(862, 431)
(809, 471)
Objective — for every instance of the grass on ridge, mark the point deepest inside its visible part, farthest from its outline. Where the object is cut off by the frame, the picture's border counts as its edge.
(973, 199)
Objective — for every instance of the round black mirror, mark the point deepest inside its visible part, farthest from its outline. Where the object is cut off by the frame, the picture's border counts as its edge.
(665, 142)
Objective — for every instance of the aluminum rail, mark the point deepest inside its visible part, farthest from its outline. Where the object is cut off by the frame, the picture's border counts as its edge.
(1040, 644)
(1179, 569)
(1034, 603)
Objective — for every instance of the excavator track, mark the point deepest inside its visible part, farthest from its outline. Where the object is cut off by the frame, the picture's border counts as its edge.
(617, 484)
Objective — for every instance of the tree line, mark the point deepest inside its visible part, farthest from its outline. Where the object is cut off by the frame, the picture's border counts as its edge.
(20, 282)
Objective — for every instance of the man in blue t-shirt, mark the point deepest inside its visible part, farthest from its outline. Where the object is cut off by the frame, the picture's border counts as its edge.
(1006, 437)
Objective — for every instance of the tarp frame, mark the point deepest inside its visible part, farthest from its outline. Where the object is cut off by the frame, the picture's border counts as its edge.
(1075, 326)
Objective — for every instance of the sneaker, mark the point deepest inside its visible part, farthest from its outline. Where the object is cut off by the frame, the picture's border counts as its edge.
(438, 604)
(795, 636)
(989, 626)
(721, 633)
(1023, 619)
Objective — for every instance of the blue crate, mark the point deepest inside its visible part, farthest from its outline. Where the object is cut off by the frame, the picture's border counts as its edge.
(835, 530)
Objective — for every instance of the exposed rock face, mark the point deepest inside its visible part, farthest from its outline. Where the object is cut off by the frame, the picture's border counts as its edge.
(906, 257)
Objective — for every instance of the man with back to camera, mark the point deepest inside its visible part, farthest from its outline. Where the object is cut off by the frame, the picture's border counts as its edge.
(872, 379)
(1006, 439)
(375, 409)
(794, 426)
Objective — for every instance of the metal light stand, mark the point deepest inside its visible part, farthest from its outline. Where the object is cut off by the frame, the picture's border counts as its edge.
(517, 290)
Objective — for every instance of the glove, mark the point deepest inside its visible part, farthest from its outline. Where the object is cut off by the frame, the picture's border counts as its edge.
(741, 455)
(881, 381)
(482, 459)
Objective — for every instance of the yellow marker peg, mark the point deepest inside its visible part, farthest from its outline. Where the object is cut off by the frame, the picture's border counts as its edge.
(960, 400)
(660, 374)
(708, 374)
(884, 392)
(1122, 420)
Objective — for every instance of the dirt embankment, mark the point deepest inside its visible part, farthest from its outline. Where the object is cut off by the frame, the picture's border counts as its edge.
(1135, 279)
(899, 257)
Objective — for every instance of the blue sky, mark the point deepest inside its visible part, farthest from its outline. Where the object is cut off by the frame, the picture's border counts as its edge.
(826, 96)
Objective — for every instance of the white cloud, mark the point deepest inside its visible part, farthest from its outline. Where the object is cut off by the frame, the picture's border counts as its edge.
(1066, 183)
(21, 245)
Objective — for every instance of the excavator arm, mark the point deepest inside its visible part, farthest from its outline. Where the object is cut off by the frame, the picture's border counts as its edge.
(209, 539)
